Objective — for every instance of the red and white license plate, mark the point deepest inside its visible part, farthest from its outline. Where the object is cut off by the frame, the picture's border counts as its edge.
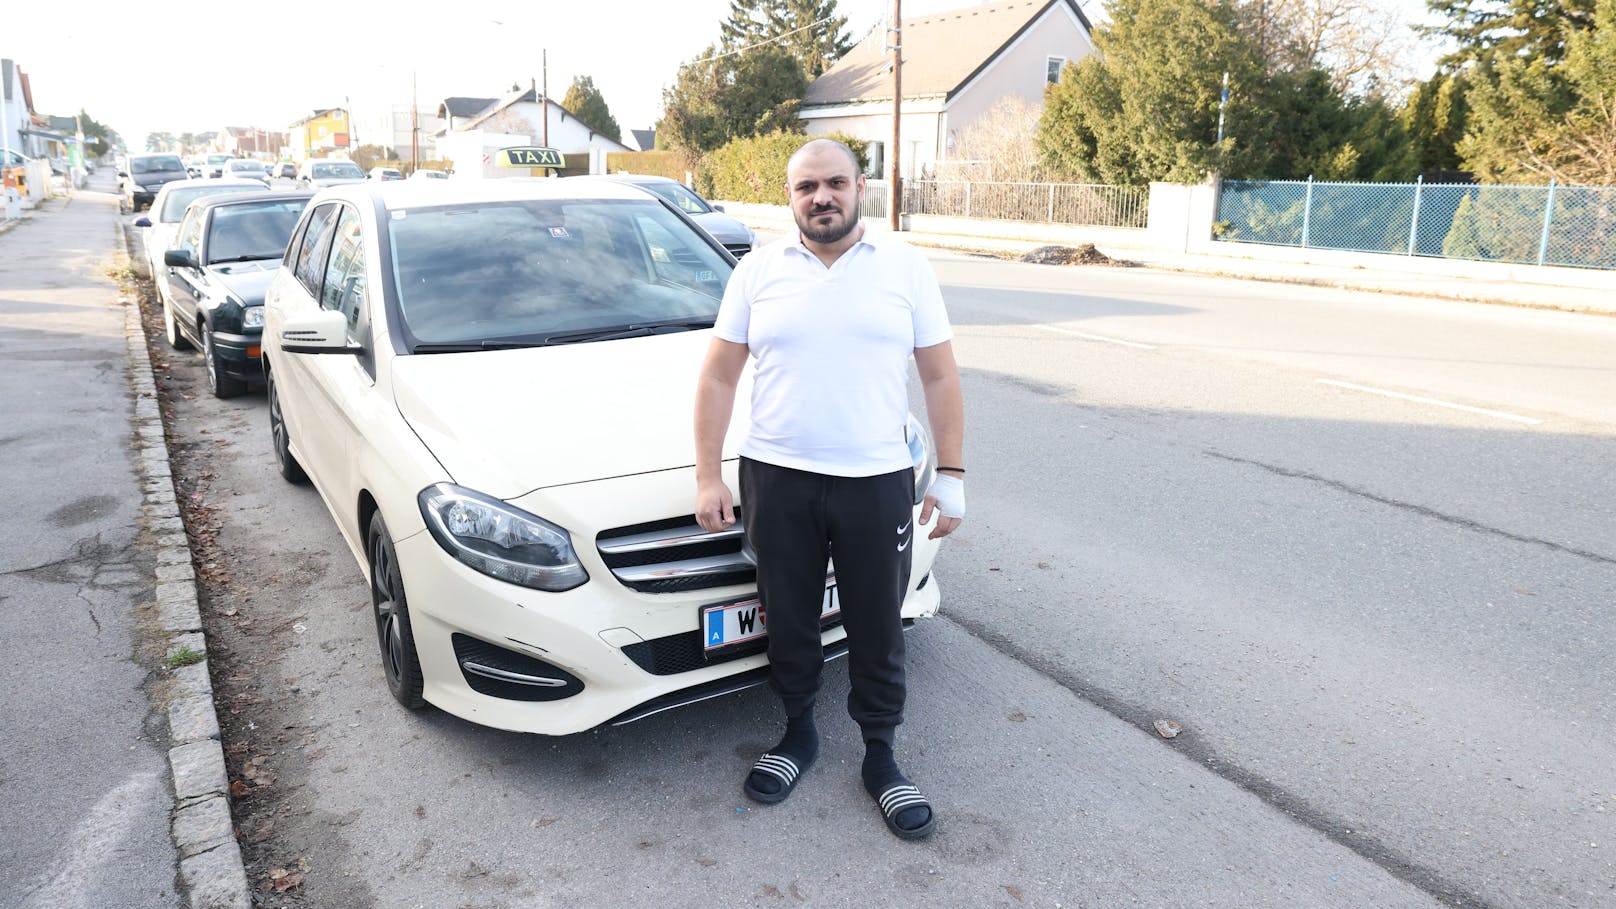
(726, 625)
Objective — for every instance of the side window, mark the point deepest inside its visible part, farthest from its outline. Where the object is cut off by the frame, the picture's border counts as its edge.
(1052, 67)
(344, 288)
(674, 258)
(309, 263)
(190, 235)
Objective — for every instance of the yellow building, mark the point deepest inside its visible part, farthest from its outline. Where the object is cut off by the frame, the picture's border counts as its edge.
(319, 135)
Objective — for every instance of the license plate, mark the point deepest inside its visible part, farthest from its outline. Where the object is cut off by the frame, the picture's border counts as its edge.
(727, 625)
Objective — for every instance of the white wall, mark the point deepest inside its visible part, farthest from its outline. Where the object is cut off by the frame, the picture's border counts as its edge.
(1021, 71)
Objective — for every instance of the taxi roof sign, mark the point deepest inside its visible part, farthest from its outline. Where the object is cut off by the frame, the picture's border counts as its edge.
(530, 156)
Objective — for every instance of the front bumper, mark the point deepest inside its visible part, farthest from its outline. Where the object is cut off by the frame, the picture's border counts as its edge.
(632, 653)
(239, 356)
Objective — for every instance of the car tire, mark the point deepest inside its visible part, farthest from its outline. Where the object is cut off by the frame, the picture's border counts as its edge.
(285, 461)
(400, 663)
(220, 384)
(171, 327)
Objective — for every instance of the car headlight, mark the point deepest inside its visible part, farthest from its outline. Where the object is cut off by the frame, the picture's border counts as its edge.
(252, 317)
(925, 464)
(502, 542)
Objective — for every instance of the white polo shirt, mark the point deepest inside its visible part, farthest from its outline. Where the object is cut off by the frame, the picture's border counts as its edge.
(831, 348)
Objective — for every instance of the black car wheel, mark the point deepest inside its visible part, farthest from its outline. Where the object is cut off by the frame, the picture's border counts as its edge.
(220, 384)
(399, 661)
(171, 329)
(290, 470)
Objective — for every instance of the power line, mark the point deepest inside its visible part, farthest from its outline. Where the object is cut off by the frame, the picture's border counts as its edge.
(775, 39)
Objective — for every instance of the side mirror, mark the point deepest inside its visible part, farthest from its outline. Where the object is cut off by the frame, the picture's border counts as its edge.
(123, 173)
(143, 221)
(717, 207)
(324, 332)
(179, 258)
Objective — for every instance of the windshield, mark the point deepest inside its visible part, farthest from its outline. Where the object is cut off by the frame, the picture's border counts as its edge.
(176, 200)
(218, 159)
(682, 199)
(258, 230)
(524, 271)
(339, 169)
(155, 164)
(246, 165)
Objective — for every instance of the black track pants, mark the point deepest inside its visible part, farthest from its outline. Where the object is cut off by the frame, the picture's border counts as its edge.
(796, 521)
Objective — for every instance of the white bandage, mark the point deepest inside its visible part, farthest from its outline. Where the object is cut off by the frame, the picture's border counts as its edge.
(949, 492)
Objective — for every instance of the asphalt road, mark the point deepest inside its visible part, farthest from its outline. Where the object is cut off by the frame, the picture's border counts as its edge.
(1381, 622)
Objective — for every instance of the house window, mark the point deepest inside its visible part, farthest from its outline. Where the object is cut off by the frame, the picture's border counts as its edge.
(1052, 67)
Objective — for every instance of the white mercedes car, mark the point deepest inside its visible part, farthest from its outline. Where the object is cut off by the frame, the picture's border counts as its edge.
(490, 383)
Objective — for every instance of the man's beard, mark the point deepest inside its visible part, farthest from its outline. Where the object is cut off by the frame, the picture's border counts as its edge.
(831, 234)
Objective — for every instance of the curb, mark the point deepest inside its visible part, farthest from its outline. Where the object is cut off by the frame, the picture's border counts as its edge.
(209, 857)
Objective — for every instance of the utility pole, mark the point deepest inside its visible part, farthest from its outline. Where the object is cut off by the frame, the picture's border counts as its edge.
(353, 128)
(415, 125)
(895, 185)
(545, 71)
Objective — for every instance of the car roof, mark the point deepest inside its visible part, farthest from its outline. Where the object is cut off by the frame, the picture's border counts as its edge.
(632, 178)
(216, 181)
(222, 200)
(401, 194)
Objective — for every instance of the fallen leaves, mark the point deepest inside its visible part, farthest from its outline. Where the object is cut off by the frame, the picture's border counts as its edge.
(1167, 728)
(1014, 891)
(281, 880)
(239, 789)
(1018, 717)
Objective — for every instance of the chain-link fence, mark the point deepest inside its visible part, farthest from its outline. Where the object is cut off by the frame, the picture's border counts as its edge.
(1542, 225)
(1089, 205)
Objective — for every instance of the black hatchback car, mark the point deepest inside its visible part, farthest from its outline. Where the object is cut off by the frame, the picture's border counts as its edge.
(143, 176)
(227, 249)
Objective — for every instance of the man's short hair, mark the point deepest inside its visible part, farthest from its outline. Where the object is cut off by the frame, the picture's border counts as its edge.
(822, 141)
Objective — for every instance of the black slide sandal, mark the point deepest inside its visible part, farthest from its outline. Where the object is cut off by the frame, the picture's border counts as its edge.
(783, 768)
(899, 798)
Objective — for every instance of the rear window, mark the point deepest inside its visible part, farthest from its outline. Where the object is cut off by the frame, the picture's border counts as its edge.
(176, 200)
(524, 269)
(342, 169)
(257, 230)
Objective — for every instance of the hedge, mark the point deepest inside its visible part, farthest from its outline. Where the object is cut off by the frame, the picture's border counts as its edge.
(754, 169)
(670, 164)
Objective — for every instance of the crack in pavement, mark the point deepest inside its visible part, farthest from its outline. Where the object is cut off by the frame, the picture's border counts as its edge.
(1421, 510)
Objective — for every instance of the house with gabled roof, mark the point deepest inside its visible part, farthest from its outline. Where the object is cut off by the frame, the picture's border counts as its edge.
(519, 119)
(956, 66)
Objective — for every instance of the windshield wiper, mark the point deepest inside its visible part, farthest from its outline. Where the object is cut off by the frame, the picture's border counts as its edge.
(469, 346)
(627, 331)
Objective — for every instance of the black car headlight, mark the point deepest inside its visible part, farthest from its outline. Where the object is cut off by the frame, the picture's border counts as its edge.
(500, 541)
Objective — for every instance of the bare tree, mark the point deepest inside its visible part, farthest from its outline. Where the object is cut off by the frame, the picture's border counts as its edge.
(1365, 45)
(1000, 146)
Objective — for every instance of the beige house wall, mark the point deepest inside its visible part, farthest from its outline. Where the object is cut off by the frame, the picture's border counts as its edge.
(1018, 72)
(921, 134)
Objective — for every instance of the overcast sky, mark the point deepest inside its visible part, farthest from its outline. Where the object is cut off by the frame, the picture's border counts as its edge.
(141, 69)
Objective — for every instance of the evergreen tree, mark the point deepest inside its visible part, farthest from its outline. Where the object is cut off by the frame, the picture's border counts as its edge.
(94, 129)
(750, 22)
(810, 30)
(1433, 117)
(1527, 29)
(589, 106)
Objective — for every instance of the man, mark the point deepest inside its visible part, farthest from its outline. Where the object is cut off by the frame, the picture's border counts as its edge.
(832, 316)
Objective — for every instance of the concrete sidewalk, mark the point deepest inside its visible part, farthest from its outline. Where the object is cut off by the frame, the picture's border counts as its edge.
(95, 581)
(1577, 290)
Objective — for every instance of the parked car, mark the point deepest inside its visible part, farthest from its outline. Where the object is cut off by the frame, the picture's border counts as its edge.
(225, 253)
(318, 173)
(214, 167)
(287, 169)
(247, 169)
(427, 173)
(143, 176)
(196, 166)
(490, 383)
(736, 237)
(385, 173)
(167, 210)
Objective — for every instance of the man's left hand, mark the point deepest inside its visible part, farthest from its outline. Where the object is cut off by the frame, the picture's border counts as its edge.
(947, 498)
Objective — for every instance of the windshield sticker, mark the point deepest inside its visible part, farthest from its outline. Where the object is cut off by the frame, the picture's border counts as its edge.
(560, 233)
(705, 275)
(400, 215)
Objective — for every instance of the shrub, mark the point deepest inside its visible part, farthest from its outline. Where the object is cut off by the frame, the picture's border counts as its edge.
(754, 169)
(671, 164)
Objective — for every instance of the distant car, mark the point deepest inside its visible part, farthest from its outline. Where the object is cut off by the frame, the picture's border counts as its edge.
(247, 169)
(736, 237)
(214, 165)
(196, 166)
(318, 173)
(168, 209)
(385, 173)
(144, 176)
(427, 173)
(226, 251)
(287, 169)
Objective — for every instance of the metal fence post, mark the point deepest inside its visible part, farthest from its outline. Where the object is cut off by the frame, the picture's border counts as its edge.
(1051, 203)
(967, 200)
(1548, 218)
(1414, 223)
(1307, 210)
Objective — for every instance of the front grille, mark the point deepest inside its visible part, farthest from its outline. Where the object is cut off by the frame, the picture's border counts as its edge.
(682, 652)
(674, 555)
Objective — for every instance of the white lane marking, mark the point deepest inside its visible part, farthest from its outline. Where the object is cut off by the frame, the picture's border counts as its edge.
(78, 866)
(1432, 401)
(1084, 334)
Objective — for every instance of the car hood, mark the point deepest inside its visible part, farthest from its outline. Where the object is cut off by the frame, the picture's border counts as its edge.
(724, 229)
(508, 422)
(247, 280)
(159, 177)
(334, 181)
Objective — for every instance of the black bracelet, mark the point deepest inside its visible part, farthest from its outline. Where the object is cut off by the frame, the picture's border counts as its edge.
(959, 470)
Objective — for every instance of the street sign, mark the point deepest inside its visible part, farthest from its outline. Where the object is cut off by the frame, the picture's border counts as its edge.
(531, 156)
